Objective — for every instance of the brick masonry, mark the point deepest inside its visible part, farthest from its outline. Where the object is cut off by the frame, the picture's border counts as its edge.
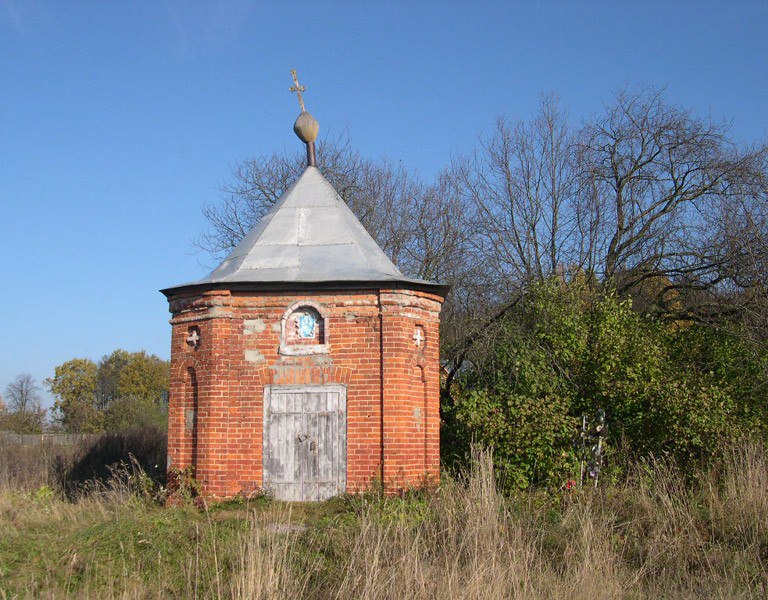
(383, 345)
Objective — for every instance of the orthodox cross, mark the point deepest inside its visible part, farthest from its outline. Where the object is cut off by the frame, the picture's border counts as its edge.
(417, 337)
(298, 89)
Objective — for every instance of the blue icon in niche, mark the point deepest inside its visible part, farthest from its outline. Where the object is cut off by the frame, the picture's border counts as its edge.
(307, 325)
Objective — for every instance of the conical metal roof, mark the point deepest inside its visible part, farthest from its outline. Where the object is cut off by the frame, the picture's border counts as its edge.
(310, 236)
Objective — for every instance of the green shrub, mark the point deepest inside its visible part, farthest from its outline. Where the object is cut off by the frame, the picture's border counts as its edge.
(666, 389)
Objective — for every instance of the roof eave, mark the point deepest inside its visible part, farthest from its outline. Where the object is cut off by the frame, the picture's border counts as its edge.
(439, 289)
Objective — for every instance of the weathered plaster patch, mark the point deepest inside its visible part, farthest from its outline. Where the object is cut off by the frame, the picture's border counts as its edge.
(417, 417)
(189, 419)
(357, 303)
(276, 327)
(254, 356)
(253, 326)
(322, 359)
(349, 316)
(411, 315)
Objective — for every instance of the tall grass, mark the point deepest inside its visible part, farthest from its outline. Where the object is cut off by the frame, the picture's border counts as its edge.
(655, 534)
(90, 460)
(23, 467)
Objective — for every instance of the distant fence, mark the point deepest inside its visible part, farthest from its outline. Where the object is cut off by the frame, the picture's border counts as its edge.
(38, 439)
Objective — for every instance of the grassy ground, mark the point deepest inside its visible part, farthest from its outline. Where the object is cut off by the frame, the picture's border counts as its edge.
(649, 536)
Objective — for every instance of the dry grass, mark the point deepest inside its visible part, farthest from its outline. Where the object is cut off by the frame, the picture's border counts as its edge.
(651, 536)
(29, 467)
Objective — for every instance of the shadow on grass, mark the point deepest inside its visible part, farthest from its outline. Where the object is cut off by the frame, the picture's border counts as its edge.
(147, 447)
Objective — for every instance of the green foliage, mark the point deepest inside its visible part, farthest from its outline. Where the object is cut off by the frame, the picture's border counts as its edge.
(527, 433)
(124, 391)
(182, 484)
(125, 413)
(74, 385)
(43, 495)
(29, 421)
(519, 400)
(132, 375)
(665, 388)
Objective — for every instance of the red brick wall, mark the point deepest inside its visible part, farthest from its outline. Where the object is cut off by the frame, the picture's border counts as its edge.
(411, 388)
(371, 351)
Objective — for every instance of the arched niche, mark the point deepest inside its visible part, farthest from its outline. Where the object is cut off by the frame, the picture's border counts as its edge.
(304, 329)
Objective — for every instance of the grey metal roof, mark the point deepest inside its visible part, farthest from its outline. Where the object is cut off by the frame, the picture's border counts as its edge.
(309, 236)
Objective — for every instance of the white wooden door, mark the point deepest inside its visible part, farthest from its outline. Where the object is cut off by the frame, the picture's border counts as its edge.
(305, 441)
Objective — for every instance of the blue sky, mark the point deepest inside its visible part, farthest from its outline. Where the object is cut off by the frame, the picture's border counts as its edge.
(119, 121)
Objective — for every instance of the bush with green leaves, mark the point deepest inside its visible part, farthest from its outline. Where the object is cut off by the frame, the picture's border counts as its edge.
(125, 390)
(667, 388)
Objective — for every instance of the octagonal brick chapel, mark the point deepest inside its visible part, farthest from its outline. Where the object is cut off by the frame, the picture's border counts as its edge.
(306, 364)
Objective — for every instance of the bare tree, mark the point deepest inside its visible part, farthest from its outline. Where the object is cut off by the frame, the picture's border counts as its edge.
(737, 235)
(644, 198)
(662, 180)
(636, 194)
(521, 184)
(24, 413)
(23, 394)
(526, 222)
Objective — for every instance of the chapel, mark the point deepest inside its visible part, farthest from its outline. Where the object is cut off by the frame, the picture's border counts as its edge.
(305, 365)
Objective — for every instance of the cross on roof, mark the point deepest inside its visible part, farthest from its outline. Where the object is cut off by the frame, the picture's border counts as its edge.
(298, 89)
